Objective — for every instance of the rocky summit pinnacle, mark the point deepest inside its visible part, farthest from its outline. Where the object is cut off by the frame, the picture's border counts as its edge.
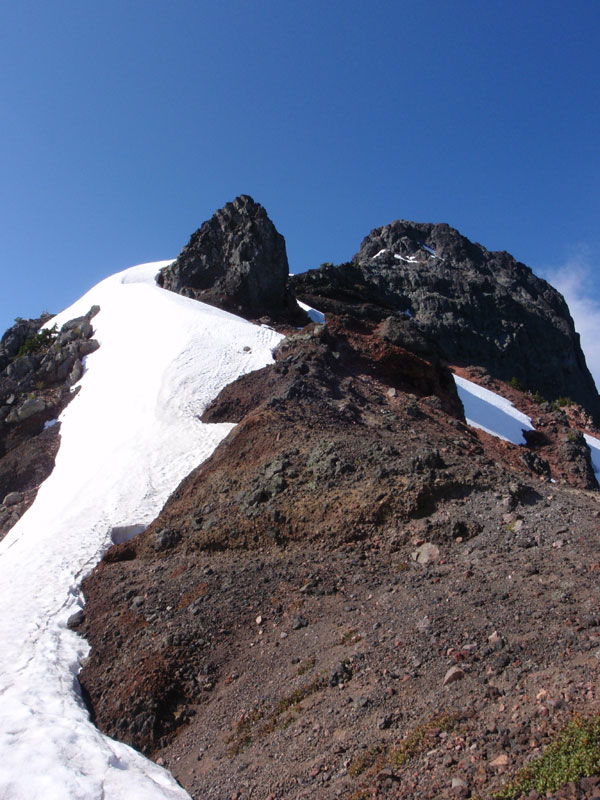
(445, 296)
(237, 261)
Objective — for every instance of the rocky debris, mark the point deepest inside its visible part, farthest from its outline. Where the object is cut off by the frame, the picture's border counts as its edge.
(356, 595)
(355, 700)
(413, 674)
(452, 297)
(237, 261)
(556, 450)
(297, 488)
(38, 368)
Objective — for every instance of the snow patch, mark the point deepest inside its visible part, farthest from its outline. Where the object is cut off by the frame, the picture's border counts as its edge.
(409, 260)
(594, 445)
(492, 413)
(128, 438)
(50, 424)
(429, 249)
(315, 316)
(380, 253)
(124, 533)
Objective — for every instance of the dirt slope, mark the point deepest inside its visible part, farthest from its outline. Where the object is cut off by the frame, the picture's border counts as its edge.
(356, 596)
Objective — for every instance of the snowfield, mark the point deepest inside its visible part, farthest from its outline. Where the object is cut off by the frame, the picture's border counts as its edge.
(492, 413)
(128, 438)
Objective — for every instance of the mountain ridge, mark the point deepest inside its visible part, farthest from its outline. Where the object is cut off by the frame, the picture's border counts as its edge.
(353, 593)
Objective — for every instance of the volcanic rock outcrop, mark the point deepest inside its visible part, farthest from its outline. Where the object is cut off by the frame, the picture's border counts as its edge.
(237, 261)
(38, 367)
(452, 297)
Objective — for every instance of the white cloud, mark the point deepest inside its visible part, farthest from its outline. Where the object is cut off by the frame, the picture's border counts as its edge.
(575, 281)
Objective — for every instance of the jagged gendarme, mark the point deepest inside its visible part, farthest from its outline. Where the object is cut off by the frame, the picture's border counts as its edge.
(237, 261)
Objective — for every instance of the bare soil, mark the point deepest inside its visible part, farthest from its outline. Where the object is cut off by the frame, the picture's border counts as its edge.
(357, 595)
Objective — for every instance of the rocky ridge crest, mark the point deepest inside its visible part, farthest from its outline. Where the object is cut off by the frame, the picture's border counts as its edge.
(38, 367)
(357, 595)
(454, 299)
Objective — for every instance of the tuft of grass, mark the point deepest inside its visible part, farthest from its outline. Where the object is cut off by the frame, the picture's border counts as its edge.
(538, 397)
(241, 737)
(422, 738)
(371, 757)
(574, 754)
(562, 401)
(416, 741)
(350, 637)
(516, 384)
(306, 666)
(243, 733)
(297, 696)
(39, 341)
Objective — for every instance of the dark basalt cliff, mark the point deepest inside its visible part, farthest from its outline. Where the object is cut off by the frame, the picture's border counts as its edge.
(237, 261)
(451, 297)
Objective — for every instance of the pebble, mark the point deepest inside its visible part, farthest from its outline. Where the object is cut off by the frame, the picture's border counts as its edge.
(453, 674)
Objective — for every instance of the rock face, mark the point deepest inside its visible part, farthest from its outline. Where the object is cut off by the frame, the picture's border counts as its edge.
(37, 370)
(236, 261)
(463, 302)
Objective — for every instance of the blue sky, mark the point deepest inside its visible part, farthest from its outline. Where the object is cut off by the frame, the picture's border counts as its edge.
(126, 124)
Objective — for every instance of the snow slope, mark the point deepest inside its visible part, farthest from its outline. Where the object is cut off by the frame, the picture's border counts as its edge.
(127, 440)
(491, 412)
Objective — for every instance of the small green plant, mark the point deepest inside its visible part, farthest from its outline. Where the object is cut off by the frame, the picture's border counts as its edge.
(39, 341)
(366, 761)
(350, 637)
(538, 397)
(562, 402)
(574, 754)
(516, 384)
(242, 736)
(306, 666)
(422, 738)
(416, 741)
